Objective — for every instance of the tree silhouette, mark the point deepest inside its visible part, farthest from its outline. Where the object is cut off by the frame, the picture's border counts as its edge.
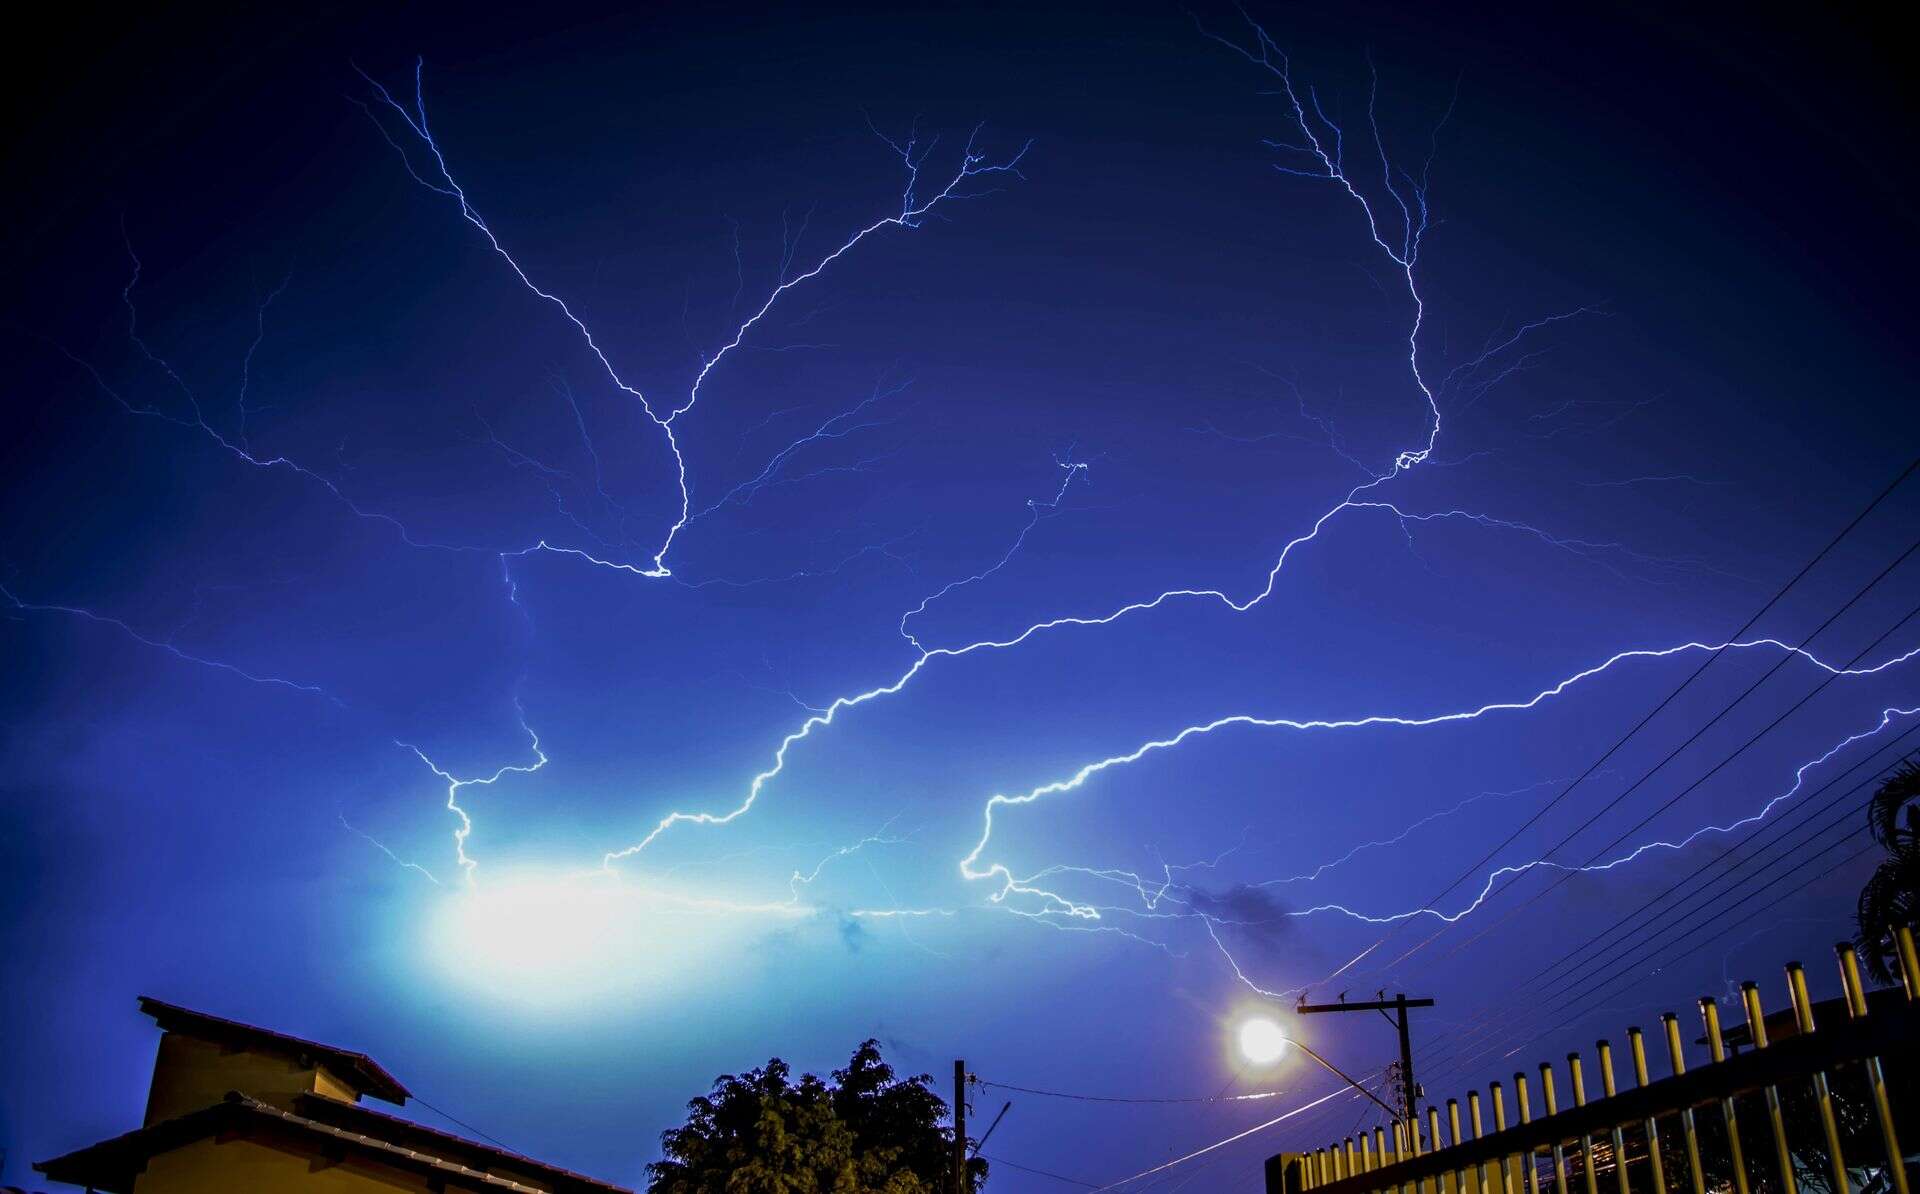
(1891, 898)
(864, 1131)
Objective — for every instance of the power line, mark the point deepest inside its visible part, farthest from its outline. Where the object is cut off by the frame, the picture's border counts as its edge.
(463, 1123)
(1261, 1127)
(1058, 1177)
(1626, 968)
(1694, 737)
(1664, 702)
(1576, 1008)
(1578, 1004)
(1818, 689)
(1778, 826)
(1589, 961)
(1087, 1098)
(1752, 740)
(1490, 1038)
(1492, 1034)
(1592, 769)
(1703, 778)
(1645, 720)
(1730, 862)
(1849, 811)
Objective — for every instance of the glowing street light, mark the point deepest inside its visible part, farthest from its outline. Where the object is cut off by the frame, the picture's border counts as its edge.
(1262, 1042)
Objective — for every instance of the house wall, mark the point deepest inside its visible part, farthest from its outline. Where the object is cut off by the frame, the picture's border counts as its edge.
(255, 1168)
(191, 1074)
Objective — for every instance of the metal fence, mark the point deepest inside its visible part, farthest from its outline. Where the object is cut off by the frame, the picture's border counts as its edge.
(1795, 1103)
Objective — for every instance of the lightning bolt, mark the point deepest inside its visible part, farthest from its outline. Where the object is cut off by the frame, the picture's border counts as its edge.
(439, 179)
(881, 838)
(456, 785)
(381, 846)
(1888, 718)
(1395, 210)
(1317, 154)
(168, 646)
(1010, 885)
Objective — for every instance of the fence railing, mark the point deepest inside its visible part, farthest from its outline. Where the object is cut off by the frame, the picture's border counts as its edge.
(1809, 1112)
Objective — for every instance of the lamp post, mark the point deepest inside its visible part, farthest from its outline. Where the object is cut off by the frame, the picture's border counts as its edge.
(1409, 1090)
(1260, 1040)
(1342, 1075)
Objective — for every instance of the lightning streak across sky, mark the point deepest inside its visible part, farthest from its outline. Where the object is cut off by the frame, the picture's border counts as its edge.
(1317, 140)
(1409, 198)
(1009, 885)
(957, 572)
(1397, 218)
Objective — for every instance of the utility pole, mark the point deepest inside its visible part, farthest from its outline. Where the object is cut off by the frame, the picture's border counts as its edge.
(1409, 1091)
(959, 1127)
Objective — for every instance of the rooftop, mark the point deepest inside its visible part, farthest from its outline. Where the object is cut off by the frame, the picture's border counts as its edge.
(366, 1074)
(112, 1165)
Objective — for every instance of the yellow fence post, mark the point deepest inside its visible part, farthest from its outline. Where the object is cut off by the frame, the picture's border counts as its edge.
(1473, 1118)
(1526, 1117)
(1607, 1088)
(1822, 1094)
(1677, 1058)
(1909, 962)
(1586, 1141)
(1453, 1141)
(1876, 1079)
(1638, 1047)
(1509, 1164)
(1717, 1051)
(1550, 1096)
(1757, 1027)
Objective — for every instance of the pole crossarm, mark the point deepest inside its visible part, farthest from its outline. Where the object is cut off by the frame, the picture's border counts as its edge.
(1369, 1006)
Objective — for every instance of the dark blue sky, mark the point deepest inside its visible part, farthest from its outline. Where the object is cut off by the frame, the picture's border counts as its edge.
(273, 519)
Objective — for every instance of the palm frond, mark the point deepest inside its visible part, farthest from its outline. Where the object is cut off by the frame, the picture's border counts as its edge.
(1889, 899)
(1895, 793)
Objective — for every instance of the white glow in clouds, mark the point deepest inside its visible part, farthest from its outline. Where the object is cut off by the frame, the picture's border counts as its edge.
(566, 939)
(1262, 1042)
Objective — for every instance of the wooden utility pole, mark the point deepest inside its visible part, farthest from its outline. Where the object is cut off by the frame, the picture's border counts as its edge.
(1409, 1092)
(959, 1127)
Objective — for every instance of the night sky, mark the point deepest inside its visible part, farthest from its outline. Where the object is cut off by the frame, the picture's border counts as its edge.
(315, 507)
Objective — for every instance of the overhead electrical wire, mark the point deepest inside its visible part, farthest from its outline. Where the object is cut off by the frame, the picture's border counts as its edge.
(1489, 1019)
(1806, 568)
(1491, 1011)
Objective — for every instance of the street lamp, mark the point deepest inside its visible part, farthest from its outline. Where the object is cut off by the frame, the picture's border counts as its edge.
(1263, 1042)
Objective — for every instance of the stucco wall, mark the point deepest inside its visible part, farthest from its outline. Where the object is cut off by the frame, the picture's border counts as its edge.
(190, 1074)
(246, 1165)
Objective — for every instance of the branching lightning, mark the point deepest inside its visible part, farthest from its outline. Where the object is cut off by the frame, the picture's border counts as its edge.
(455, 785)
(1008, 884)
(168, 646)
(914, 209)
(1392, 204)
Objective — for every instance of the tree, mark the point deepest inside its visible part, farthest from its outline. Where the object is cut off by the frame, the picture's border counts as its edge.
(1891, 897)
(864, 1131)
